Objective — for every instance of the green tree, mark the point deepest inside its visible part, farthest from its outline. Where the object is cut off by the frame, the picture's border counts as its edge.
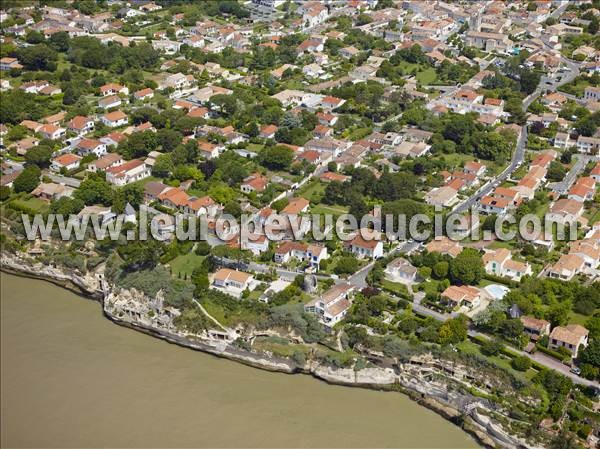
(276, 158)
(521, 363)
(492, 347)
(453, 331)
(95, 190)
(163, 166)
(346, 265)
(28, 179)
(39, 156)
(467, 267)
(440, 270)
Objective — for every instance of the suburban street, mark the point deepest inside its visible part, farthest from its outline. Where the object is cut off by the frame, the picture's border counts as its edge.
(581, 161)
(519, 154)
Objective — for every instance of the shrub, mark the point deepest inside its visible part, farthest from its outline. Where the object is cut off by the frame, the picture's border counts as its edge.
(521, 363)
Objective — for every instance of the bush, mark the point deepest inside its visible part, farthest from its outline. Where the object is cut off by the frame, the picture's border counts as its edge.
(492, 347)
(346, 265)
(202, 249)
(521, 363)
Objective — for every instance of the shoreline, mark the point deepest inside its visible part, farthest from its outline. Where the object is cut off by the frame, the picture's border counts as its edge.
(484, 435)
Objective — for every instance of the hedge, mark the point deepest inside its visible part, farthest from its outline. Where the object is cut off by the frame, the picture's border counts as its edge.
(551, 353)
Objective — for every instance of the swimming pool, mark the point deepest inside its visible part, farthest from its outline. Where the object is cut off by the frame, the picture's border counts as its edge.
(497, 291)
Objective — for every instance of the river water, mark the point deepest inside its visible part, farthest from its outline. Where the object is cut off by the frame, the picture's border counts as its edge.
(71, 378)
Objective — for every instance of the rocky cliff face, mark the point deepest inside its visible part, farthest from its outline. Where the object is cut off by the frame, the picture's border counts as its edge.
(88, 284)
(133, 309)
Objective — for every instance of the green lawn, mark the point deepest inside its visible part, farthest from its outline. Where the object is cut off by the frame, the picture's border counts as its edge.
(593, 216)
(323, 209)
(497, 244)
(424, 75)
(395, 287)
(185, 264)
(256, 147)
(469, 347)
(578, 318)
(311, 189)
(35, 204)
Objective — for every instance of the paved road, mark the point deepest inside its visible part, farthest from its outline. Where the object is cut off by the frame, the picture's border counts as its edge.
(519, 153)
(359, 279)
(545, 360)
(65, 180)
(581, 162)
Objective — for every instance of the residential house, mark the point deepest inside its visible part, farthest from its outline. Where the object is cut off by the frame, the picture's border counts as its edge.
(130, 171)
(208, 150)
(565, 211)
(7, 64)
(80, 125)
(595, 173)
(535, 327)
(566, 267)
(24, 145)
(444, 196)
(113, 89)
(475, 168)
(588, 145)
(444, 246)
(583, 190)
(462, 296)
(52, 132)
(90, 146)
(296, 206)
(115, 119)
(331, 307)
(112, 101)
(67, 161)
(52, 191)
(153, 190)
(572, 337)
(233, 282)
(489, 41)
(144, 94)
(588, 250)
(562, 140)
(254, 183)
(268, 131)
(591, 93)
(363, 248)
(400, 270)
(255, 243)
(500, 263)
(107, 161)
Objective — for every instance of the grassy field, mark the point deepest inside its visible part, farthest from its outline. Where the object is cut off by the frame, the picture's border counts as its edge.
(185, 265)
(593, 216)
(468, 347)
(327, 209)
(312, 189)
(578, 318)
(424, 75)
(255, 147)
(395, 287)
(35, 204)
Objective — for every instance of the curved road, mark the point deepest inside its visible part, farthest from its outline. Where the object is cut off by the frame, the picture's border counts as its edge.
(519, 153)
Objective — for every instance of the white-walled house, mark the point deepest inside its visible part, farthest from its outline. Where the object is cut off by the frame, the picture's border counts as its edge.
(571, 337)
(130, 171)
(332, 306)
(372, 249)
(91, 146)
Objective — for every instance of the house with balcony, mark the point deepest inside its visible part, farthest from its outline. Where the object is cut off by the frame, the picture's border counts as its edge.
(332, 306)
(130, 171)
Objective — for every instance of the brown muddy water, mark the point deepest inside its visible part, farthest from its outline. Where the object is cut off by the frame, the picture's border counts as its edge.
(71, 378)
